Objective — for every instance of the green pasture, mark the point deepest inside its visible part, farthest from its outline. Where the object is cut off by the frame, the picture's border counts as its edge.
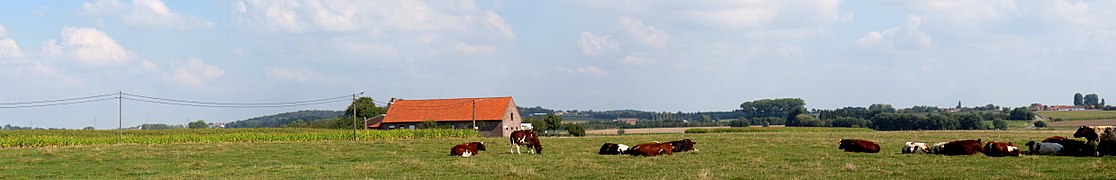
(789, 153)
(1077, 115)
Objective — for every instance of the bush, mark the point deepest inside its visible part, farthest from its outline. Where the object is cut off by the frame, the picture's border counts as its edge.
(1040, 124)
(1000, 124)
(740, 123)
(575, 130)
(849, 122)
(620, 132)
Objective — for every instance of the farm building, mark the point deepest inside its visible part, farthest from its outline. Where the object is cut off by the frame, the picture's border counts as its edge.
(492, 116)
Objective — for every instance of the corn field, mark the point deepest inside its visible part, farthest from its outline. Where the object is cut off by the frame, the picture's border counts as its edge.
(44, 138)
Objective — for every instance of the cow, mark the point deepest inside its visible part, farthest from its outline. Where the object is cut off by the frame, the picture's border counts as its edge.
(999, 149)
(651, 149)
(613, 149)
(1055, 139)
(915, 147)
(858, 145)
(526, 138)
(1044, 148)
(683, 145)
(1102, 139)
(467, 149)
(937, 148)
(961, 147)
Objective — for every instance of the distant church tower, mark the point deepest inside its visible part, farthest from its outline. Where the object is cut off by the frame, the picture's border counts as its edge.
(958, 104)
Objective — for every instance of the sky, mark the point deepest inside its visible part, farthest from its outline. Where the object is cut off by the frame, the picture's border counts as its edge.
(574, 54)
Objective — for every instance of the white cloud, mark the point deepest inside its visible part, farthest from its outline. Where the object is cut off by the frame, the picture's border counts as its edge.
(496, 23)
(592, 70)
(195, 73)
(966, 10)
(89, 46)
(632, 59)
(464, 48)
(648, 35)
(367, 48)
(148, 13)
(908, 37)
(9, 49)
(752, 14)
(149, 66)
(298, 75)
(592, 44)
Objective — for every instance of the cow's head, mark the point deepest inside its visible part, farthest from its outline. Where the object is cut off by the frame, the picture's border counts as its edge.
(1085, 132)
(480, 146)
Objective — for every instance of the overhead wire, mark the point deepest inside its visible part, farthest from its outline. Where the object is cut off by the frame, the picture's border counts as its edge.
(233, 106)
(346, 97)
(58, 100)
(56, 104)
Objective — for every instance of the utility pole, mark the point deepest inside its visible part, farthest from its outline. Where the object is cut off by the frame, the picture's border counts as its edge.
(120, 110)
(475, 114)
(355, 115)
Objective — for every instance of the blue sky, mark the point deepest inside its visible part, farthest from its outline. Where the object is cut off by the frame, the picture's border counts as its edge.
(577, 54)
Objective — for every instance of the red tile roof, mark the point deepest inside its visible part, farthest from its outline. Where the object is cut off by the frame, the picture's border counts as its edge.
(460, 109)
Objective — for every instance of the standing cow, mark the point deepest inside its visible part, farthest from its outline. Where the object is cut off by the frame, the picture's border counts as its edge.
(998, 149)
(526, 138)
(683, 145)
(613, 149)
(915, 147)
(467, 149)
(858, 145)
(961, 147)
(651, 149)
(1102, 139)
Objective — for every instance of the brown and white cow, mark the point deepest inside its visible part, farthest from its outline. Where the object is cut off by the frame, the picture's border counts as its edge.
(651, 149)
(683, 145)
(1055, 139)
(858, 145)
(1102, 139)
(961, 147)
(467, 149)
(937, 148)
(613, 149)
(998, 149)
(526, 138)
(915, 147)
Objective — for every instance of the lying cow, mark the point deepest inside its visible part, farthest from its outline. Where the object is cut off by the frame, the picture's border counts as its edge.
(1044, 148)
(526, 138)
(613, 149)
(1071, 147)
(1055, 139)
(961, 147)
(651, 149)
(683, 145)
(915, 147)
(858, 145)
(998, 149)
(467, 149)
(1102, 139)
(937, 148)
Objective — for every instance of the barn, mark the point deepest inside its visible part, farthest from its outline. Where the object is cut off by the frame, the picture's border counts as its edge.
(492, 116)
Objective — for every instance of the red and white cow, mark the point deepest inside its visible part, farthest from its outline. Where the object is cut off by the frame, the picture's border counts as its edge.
(651, 149)
(1102, 139)
(683, 145)
(998, 149)
(915, 147)
(467, 149)
(858, 145)
(526, 138)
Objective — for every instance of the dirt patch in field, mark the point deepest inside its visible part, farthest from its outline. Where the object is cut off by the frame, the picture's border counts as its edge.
(645, 130)
(1103, 122)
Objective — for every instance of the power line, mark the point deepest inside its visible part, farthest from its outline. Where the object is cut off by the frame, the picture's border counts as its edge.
(50, 101)
(56, 104)
(233, 106)
(236, 103)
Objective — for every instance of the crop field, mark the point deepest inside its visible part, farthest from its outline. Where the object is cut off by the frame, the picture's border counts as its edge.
(772, 153)
(41, 138)
(1077, 115)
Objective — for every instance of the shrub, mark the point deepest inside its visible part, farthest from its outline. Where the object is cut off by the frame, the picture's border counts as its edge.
(740, 123)
(1040, 124)
(1000, 124)
(620, 132)
(575, 130)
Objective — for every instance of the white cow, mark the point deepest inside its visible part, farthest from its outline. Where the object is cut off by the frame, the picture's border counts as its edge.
(1044, 148)
(937, 148)
(915, 147)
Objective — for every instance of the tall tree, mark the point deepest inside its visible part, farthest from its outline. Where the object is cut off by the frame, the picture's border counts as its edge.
(553, 121)
(198, 125)
(1091, 101)
(1078, 99)
(771, 107)
(365, 108)
(881, 108)
(1101, 105)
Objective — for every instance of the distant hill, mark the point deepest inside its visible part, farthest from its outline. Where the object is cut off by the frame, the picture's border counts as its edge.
(284, 118)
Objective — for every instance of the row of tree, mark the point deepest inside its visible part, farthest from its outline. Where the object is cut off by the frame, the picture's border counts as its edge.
(1090, 101)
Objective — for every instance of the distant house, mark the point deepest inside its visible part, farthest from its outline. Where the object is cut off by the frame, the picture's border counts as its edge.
(526, 126)
(629, 121)
(216, 125)
(950, 110)
(1036, 107)
(492, 116)
(1066, 108)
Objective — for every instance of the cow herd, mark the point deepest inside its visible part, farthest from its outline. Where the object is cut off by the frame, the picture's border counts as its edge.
(529, 139)
(1100, 141)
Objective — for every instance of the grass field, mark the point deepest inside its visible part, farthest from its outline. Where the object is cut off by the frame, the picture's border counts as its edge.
(41, 138)
(1077, 115)
(750, 155)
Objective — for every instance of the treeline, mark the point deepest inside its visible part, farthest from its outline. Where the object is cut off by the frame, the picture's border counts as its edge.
(298, 118)
(648, 124)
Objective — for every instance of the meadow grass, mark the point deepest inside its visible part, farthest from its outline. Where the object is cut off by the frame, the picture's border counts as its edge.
(41, 138)
(743, 155)
(1077, 115)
